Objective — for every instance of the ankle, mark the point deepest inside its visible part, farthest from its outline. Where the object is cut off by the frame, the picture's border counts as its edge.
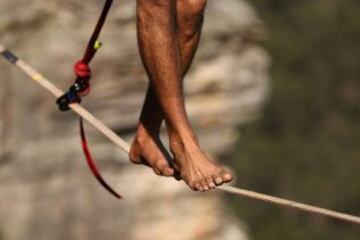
(143, 134)
(179, 144)
(150, 128)
(151, 125)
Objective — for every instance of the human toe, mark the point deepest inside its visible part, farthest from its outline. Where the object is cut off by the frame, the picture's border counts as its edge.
(227, 176)
(204, 185)
(168, 172)
(164, 169)
(218, 180)
(210, 183)
(198, 187)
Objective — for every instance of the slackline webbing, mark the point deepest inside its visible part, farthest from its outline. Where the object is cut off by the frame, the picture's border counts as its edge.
(106, 131)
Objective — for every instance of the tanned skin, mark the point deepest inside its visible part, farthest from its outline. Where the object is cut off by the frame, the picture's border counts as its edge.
(168, 36)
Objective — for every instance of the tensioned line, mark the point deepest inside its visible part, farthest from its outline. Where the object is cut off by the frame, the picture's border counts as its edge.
(97, 124)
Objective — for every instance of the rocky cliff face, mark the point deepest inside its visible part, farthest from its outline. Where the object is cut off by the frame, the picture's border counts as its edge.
(46, 190)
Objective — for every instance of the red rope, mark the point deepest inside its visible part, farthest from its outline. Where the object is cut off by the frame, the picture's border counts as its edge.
(81, 88)
(83, 73)
(91, 162)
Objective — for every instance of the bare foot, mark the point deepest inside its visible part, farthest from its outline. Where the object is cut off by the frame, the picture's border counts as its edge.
(147, 149)
(197, 170)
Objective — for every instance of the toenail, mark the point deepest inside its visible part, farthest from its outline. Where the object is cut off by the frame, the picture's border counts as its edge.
(227, 177)
(218, 180)
(169, 172)
(212, 185)
(199, 188)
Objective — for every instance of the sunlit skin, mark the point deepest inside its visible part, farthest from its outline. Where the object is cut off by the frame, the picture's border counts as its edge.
(168, 36)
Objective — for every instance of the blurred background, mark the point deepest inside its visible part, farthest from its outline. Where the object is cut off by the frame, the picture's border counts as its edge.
(290, 129)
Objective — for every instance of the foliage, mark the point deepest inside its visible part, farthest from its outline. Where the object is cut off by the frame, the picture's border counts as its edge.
(306, 145)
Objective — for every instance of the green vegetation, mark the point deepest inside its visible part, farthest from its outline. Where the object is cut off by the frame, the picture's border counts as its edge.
(306, 147)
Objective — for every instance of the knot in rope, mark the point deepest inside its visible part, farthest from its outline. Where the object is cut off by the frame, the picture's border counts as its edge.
(83, 74)
(79, 89)
(82, 70)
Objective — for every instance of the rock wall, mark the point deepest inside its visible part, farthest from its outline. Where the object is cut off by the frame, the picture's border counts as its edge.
(46, 190)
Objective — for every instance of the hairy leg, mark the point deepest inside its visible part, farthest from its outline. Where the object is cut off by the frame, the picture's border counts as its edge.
(147, 147)
(178, 38)
(197, 169)
(190, 18)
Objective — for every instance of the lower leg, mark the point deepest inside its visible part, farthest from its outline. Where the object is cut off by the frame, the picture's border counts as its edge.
(147, 137)
(188, 36)
(197, 170)
(147, 147)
